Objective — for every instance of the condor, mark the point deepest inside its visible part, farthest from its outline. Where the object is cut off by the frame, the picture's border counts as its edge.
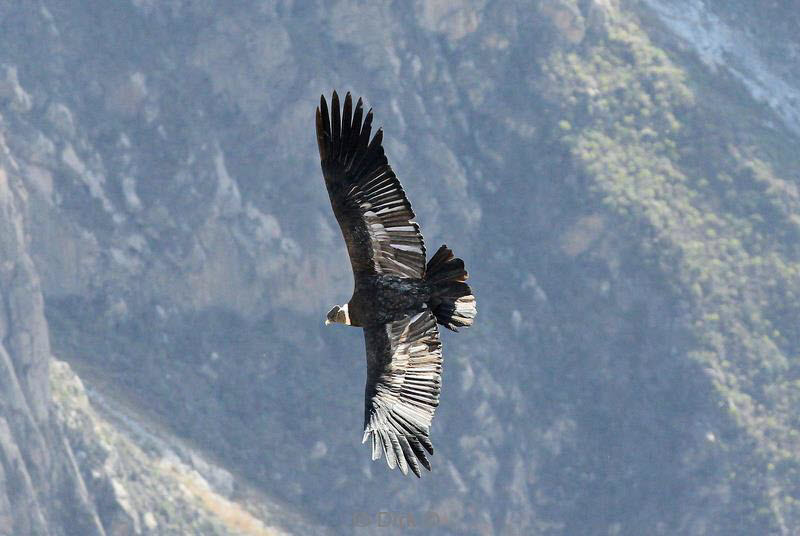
(398, 299)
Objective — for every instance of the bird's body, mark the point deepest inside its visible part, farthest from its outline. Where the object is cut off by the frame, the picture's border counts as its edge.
(398, 298)
(379, 299)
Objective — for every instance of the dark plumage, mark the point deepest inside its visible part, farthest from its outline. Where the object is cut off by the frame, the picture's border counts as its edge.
(397, 299)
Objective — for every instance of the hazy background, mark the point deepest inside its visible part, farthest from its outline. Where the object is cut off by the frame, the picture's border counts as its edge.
(621, 178)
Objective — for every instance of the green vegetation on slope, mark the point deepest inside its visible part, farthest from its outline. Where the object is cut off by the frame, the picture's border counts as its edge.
(721, 223)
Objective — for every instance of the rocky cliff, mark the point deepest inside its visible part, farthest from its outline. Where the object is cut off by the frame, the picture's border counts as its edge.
(43, 490)
(66, 469)
(619, 175)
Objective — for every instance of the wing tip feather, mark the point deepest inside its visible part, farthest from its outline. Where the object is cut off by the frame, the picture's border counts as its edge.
(401, 451)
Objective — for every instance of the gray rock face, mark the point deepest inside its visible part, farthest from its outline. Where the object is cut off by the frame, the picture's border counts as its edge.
(42, 489)
(65, 470)
(619, 176)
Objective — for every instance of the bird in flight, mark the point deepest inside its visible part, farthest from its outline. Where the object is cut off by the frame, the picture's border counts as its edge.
(398, 299)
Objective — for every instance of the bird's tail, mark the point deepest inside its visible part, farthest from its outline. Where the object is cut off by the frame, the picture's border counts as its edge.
(451, 299)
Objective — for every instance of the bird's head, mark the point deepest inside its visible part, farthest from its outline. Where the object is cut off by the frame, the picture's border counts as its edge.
(338, 315)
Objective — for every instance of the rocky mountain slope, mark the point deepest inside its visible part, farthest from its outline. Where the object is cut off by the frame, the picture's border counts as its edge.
(42, 486)
(620, 176)
(67, 469)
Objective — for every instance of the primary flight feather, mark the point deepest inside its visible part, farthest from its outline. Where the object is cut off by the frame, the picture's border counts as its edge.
(398, 299)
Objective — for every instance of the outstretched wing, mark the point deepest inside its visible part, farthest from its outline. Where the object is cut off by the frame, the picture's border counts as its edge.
(375, 216)
(404, 366)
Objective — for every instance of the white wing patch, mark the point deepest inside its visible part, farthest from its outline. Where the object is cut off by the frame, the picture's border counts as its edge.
(406, 390)
(399, 249)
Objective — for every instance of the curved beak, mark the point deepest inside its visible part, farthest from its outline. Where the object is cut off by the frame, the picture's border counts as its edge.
(327, 321)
